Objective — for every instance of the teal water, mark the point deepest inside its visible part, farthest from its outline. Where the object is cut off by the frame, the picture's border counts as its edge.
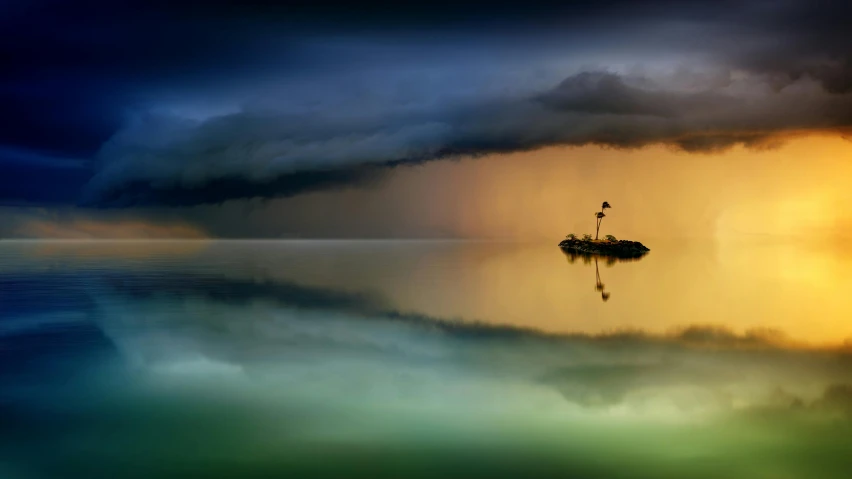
(423, 359)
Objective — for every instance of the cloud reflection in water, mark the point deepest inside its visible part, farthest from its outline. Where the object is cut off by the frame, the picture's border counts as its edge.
(161, 367)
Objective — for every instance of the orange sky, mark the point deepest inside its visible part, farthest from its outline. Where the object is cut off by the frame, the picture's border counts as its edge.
(798, 189)
(88, 229)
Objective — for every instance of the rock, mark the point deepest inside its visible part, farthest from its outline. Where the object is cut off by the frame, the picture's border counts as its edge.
(618, 249)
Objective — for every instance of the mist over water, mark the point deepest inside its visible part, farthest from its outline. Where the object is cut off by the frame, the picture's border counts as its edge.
(423, 359)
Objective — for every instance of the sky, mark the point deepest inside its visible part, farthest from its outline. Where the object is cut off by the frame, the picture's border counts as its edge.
(460, 119)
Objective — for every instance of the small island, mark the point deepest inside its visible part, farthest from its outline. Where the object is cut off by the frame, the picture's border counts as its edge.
(609, 246)
(618, 248)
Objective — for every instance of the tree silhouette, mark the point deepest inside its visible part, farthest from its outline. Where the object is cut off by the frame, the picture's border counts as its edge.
(600, 216)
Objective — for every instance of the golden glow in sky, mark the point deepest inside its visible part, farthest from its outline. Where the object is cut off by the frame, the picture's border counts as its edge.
(797, 190)
(800, 189)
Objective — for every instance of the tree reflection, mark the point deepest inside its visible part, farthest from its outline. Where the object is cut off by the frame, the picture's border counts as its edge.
(599, 286)
(608, 260)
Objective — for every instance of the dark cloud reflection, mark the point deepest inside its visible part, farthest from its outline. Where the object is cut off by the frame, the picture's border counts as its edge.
(138, 361)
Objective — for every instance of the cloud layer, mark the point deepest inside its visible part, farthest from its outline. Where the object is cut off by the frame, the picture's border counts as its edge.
(267, 153)
(230, 102)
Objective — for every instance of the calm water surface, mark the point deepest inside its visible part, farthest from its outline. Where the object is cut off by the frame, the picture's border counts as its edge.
(424, 359)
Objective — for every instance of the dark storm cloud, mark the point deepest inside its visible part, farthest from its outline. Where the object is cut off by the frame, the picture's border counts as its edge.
(275, 110)
(810, 39)
(73, 70)
(143, 193)
(254, 153)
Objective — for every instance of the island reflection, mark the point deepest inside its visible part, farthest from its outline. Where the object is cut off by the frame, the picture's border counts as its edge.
(606, 259)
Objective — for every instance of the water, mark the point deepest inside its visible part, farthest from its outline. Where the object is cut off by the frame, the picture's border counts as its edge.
(423, 359)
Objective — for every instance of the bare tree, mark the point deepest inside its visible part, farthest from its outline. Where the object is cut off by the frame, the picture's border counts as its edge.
(600, 216)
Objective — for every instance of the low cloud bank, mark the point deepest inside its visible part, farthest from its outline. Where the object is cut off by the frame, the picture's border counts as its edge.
(269, 152)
